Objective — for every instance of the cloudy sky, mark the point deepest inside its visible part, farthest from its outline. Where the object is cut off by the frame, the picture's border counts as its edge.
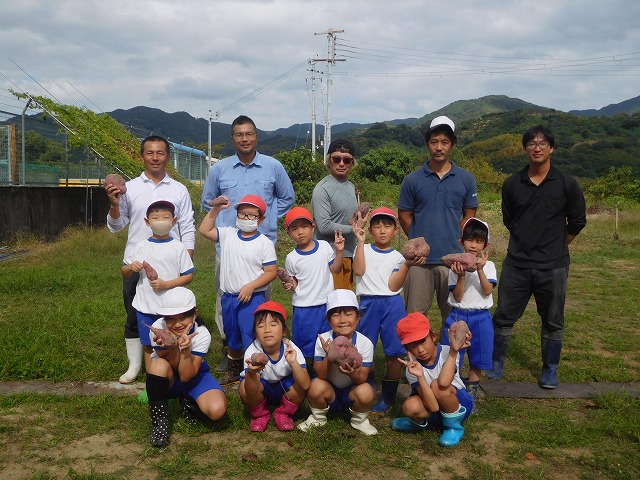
(402, 58)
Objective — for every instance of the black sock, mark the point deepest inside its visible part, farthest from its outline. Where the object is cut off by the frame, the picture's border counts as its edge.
(157, 388)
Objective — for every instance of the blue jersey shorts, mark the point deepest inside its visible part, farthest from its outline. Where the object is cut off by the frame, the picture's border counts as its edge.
(307, 324)
(237, 319)
(481, 328)
(379, 316)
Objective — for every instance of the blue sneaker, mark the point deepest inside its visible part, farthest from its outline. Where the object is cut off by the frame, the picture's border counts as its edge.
(405, 424)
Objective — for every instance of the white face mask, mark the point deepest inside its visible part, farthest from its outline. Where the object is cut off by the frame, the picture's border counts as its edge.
(161, 227)
(247, 226)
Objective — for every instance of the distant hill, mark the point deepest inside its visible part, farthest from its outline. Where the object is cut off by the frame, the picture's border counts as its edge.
(628, 106)
(462, 111)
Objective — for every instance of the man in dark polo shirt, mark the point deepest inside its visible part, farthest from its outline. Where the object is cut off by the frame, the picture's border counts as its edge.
(543, 209)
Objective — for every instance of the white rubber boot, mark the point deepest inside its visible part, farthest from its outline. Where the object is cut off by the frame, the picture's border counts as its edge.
(135, 350)
(360, 421)
(318, 418)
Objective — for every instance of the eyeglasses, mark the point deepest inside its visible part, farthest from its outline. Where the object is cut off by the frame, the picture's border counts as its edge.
(345, 160)
(248, 216)
(244, 134)
(534, 145)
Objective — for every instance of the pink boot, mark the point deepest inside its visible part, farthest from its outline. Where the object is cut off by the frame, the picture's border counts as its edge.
(282, 414)
(259, 417)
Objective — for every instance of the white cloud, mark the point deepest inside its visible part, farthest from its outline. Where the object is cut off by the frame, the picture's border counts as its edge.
(403, 58)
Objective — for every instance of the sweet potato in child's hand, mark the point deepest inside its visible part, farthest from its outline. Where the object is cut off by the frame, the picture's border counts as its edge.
(259, 358)
(416, 247)
(468, 260)
(168, 339)
(363, 208)
(342, 352)
(150, 271)
(458, 334)
(117, 180)
(283, 275)
(219, 201)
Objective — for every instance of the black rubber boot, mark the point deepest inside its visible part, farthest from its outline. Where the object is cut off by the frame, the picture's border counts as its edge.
(310, 370)
(500, 345)
(550, 360)
(223, 366)
(191, 411)
(158, 393)
(388, 397)
(233, 373)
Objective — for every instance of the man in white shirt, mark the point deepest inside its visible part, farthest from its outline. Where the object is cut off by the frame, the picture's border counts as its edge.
(130, 209)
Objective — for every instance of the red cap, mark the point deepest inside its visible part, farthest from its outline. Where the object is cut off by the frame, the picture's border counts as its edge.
(272, 306)
(415, 326)
(254, 200)
(295, 213)
(384, 211)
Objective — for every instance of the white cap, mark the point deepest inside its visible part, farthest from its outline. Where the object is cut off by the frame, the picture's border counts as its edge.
(177, 300)
(341, 298)
(474, 219)
(439, 121)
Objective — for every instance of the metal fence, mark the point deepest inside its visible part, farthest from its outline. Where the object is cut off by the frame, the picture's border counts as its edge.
(66, 166)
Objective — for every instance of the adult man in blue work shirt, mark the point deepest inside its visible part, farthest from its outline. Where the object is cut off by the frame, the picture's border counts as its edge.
(247, 172)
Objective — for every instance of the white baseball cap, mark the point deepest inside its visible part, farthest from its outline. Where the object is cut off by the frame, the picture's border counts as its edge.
(442, 120)
(341, 298)
(177, 300)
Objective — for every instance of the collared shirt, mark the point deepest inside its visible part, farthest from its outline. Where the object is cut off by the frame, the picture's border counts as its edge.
(438, 205)
(264, 176)
(141, 192)
(539, 218)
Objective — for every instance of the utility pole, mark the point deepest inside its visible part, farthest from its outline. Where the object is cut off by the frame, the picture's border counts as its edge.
(313, 109)
(331, 59)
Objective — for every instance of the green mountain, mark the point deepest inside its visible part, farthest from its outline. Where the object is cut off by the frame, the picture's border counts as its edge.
(462, 111)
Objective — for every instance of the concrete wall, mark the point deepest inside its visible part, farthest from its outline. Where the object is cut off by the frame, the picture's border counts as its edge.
(46, 211)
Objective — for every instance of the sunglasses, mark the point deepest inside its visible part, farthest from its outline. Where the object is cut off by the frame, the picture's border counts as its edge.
(346, 161)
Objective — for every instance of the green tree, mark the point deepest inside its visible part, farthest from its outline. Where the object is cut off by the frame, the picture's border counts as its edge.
(388, 164)
(304, 171)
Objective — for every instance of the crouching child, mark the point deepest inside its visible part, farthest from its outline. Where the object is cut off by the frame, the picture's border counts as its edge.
(438, 397)
(341, 386)
(177, 368)
(276, 372)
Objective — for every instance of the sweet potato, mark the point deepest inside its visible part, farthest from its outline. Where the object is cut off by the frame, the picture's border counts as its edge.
(219, 201)
(149, 271)
(468, 260)
(416, 247)
(168, 338)
(363, 208)
(342, 352)
(259, 358)
(458, 333)
(117, 180)
(284, 275)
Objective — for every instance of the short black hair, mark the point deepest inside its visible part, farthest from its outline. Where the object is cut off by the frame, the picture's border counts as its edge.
(384, 219)
(262, 315)
(341, 310)
(446, 129)
(475, 231)
(155, 138)
(242, 120)
(538, 130)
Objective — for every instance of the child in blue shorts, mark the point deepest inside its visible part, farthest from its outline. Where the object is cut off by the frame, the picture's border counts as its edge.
(470, 299)
(177, 368)
(380, 273)
(163, 263)
(247, 267)
(310, 266)
(438, 397)
(341, 388)
(283, 380)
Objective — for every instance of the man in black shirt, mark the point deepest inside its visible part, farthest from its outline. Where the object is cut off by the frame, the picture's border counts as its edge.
(543, 209)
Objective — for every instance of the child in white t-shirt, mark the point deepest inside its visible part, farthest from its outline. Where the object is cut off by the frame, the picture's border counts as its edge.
(310, 266)
(282, 380)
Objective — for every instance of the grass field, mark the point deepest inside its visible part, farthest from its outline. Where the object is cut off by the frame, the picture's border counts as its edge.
(61, 318)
